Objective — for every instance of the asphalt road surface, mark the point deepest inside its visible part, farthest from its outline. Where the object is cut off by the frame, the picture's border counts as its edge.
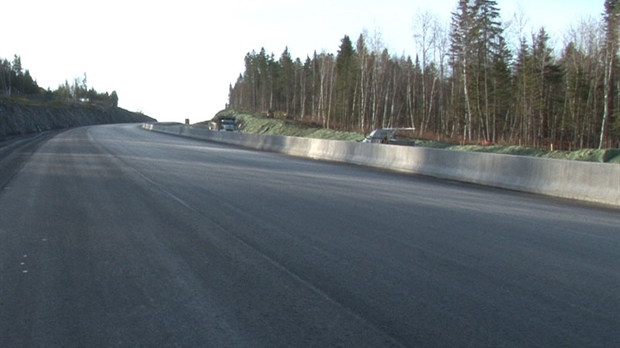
(112, 236)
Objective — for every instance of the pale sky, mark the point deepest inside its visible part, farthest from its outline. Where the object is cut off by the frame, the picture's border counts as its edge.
(174, 60)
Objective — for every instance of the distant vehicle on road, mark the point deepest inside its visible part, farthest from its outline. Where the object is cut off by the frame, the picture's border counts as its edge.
(228, 125)
(388, 136)
(224, 124)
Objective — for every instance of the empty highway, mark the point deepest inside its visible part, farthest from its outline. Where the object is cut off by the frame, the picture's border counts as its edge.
(113, 236)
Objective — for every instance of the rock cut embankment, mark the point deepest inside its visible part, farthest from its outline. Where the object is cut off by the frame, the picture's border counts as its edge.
(23, 116)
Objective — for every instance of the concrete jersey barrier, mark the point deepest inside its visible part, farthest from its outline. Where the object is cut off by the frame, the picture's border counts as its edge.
(585, 181)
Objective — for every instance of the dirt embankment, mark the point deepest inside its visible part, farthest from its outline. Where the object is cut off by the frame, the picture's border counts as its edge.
(23, 116)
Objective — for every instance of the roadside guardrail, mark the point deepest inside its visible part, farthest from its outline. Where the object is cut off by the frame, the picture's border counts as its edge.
(584, 181)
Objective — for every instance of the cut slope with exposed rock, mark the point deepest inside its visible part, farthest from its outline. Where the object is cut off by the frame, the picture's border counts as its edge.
(22, 116)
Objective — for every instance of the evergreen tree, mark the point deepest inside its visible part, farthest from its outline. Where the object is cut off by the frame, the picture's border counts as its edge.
(364, 86)
(30, 85)
(462, 38)
(488, 35)
(18, 74)
(114, 98)
(346, 84)
(6, 74)
(307, 88)
(17, 64)
(286, 82)
(541, 59)
(611, 108)
(523, 78)
(502, 93)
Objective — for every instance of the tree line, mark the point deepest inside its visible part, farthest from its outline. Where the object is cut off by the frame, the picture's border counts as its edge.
(15, 81)
(466, 83)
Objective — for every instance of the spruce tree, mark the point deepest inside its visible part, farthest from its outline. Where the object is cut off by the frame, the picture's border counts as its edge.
(611, 19)
(345, 84)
